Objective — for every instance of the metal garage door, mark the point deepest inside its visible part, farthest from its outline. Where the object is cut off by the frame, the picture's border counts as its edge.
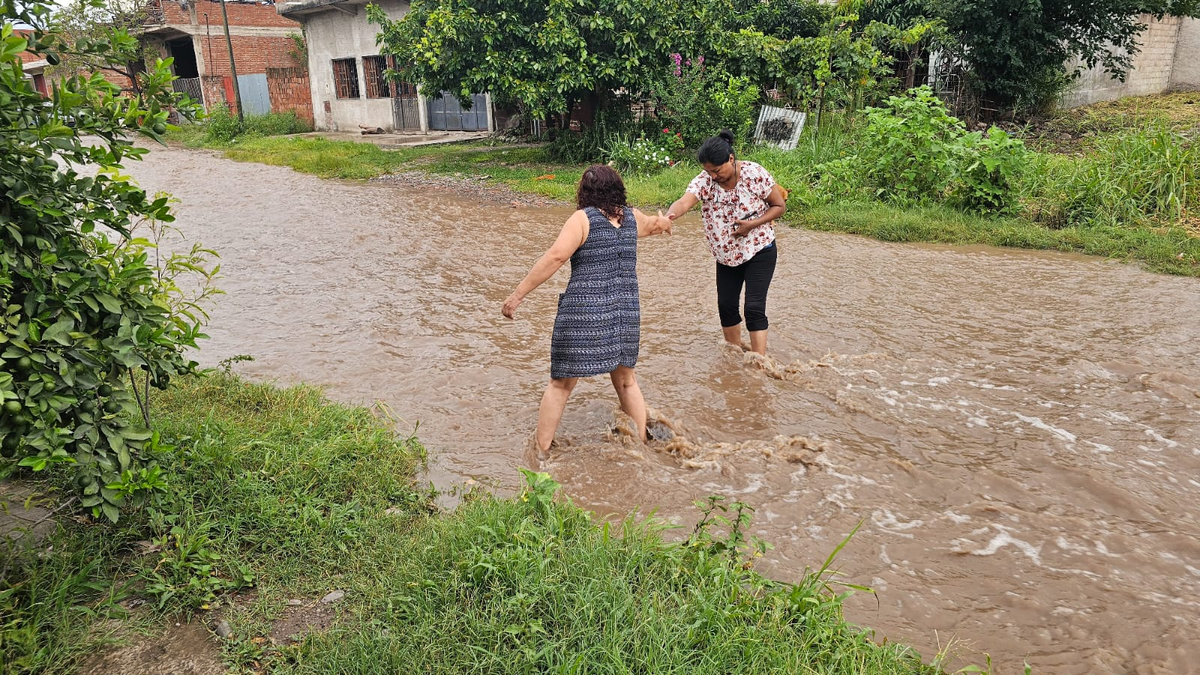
(445, 114)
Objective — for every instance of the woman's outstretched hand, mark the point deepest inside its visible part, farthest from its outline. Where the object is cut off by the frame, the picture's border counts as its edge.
(511, 305)
(663, 223)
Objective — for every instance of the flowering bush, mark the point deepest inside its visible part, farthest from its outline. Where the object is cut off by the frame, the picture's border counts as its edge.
(698, 101)
(645, 155)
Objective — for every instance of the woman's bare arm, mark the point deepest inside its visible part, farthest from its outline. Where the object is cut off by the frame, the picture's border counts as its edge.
(572, 236)
(648, 225)
(682, 205)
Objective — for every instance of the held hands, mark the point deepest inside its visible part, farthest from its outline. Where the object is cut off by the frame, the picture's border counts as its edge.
(663, 223)
(511, 304)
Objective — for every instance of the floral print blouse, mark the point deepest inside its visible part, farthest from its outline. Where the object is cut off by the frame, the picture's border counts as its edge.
(747, 200)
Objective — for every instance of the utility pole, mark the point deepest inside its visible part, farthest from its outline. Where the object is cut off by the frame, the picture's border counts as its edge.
(237, 93)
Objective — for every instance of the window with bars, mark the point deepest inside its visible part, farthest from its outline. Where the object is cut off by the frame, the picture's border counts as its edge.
(400, 88)
(345, 77)
(374, 68)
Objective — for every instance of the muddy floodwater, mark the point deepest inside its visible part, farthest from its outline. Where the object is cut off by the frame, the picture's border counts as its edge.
(1018, 432)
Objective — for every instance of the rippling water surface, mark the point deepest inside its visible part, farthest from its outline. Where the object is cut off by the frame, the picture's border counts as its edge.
(1018, 432)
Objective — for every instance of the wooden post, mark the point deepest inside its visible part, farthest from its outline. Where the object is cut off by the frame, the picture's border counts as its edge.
(237, 93)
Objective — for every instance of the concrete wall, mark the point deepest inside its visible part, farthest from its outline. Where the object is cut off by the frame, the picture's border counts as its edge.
(335, 34)
(1186, 74)
(1151, 72)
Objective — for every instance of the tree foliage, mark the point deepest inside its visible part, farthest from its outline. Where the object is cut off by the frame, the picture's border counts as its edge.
(83, 312)
(1018, 51)
(86, 22)
(544, 54)
(782, 19)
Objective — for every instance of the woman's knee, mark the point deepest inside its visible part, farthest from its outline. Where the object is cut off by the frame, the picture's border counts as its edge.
(564, 384)
(623, 378)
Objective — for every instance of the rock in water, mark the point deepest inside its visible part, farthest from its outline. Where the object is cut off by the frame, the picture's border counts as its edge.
(658, 431)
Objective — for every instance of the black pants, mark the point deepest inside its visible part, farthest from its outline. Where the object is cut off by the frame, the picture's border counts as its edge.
(756, 274)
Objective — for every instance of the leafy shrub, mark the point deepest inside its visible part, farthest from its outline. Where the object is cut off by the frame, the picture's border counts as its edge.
(223, 126)
(988, 168)
(645, 155)
(911, 146)
(914, 151)
(698, 101)
(589, 145)
(82, 316)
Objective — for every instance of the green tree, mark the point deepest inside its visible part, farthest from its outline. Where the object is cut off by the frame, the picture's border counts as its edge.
(87, 22)
(783, 19)
(544, 54)
(82, 312)
(1018, 50)
(837, 66)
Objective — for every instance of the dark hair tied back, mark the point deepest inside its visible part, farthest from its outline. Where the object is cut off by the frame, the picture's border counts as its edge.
(717, 150)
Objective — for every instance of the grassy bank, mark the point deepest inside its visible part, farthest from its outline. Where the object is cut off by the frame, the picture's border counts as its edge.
(277, 494)
(1113, 192)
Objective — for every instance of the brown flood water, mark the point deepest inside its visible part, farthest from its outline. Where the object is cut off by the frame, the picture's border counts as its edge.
(1018, 432)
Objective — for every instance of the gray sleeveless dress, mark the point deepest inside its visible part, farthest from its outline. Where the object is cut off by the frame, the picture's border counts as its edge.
(599, 322)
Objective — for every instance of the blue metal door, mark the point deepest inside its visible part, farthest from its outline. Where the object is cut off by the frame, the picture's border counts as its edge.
(256, 100)
(445, 113)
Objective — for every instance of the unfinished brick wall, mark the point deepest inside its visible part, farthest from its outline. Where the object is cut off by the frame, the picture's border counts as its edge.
(289, 90)
(217, 91)
(241, 13)
(251, 54)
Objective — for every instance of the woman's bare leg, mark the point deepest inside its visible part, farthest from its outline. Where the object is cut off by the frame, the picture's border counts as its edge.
(625, 382)
(733, 334)
(550, 413)
(758, 341)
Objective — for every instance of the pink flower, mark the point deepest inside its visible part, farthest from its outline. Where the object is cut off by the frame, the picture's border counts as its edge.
(666, 131)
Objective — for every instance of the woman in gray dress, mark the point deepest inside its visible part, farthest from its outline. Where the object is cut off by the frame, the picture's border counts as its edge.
(598, 325)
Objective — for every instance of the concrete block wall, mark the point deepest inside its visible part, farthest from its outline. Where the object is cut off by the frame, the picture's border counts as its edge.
(1186, 74)
(1151, 73)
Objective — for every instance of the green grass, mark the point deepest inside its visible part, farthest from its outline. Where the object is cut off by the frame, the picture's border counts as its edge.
(283, 491)
(1158, 250)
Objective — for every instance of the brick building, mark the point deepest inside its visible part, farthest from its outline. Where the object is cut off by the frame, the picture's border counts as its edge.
(268, 52)
(34, 66)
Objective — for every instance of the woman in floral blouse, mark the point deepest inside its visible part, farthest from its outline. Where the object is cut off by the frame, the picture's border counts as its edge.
(740, 204)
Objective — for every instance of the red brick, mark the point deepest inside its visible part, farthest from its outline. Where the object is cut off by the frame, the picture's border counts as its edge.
(289, 90)
(251, 54)
(241, 13)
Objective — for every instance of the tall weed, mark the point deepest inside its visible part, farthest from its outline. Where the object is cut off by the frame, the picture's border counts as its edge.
(1140, 176)
(223, 126)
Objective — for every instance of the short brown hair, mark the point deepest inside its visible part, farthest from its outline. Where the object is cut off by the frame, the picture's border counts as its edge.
(601, 186)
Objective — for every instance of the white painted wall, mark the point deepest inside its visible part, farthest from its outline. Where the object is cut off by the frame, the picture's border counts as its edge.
(1151, 72)
(1186, 74)
(335, 34)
